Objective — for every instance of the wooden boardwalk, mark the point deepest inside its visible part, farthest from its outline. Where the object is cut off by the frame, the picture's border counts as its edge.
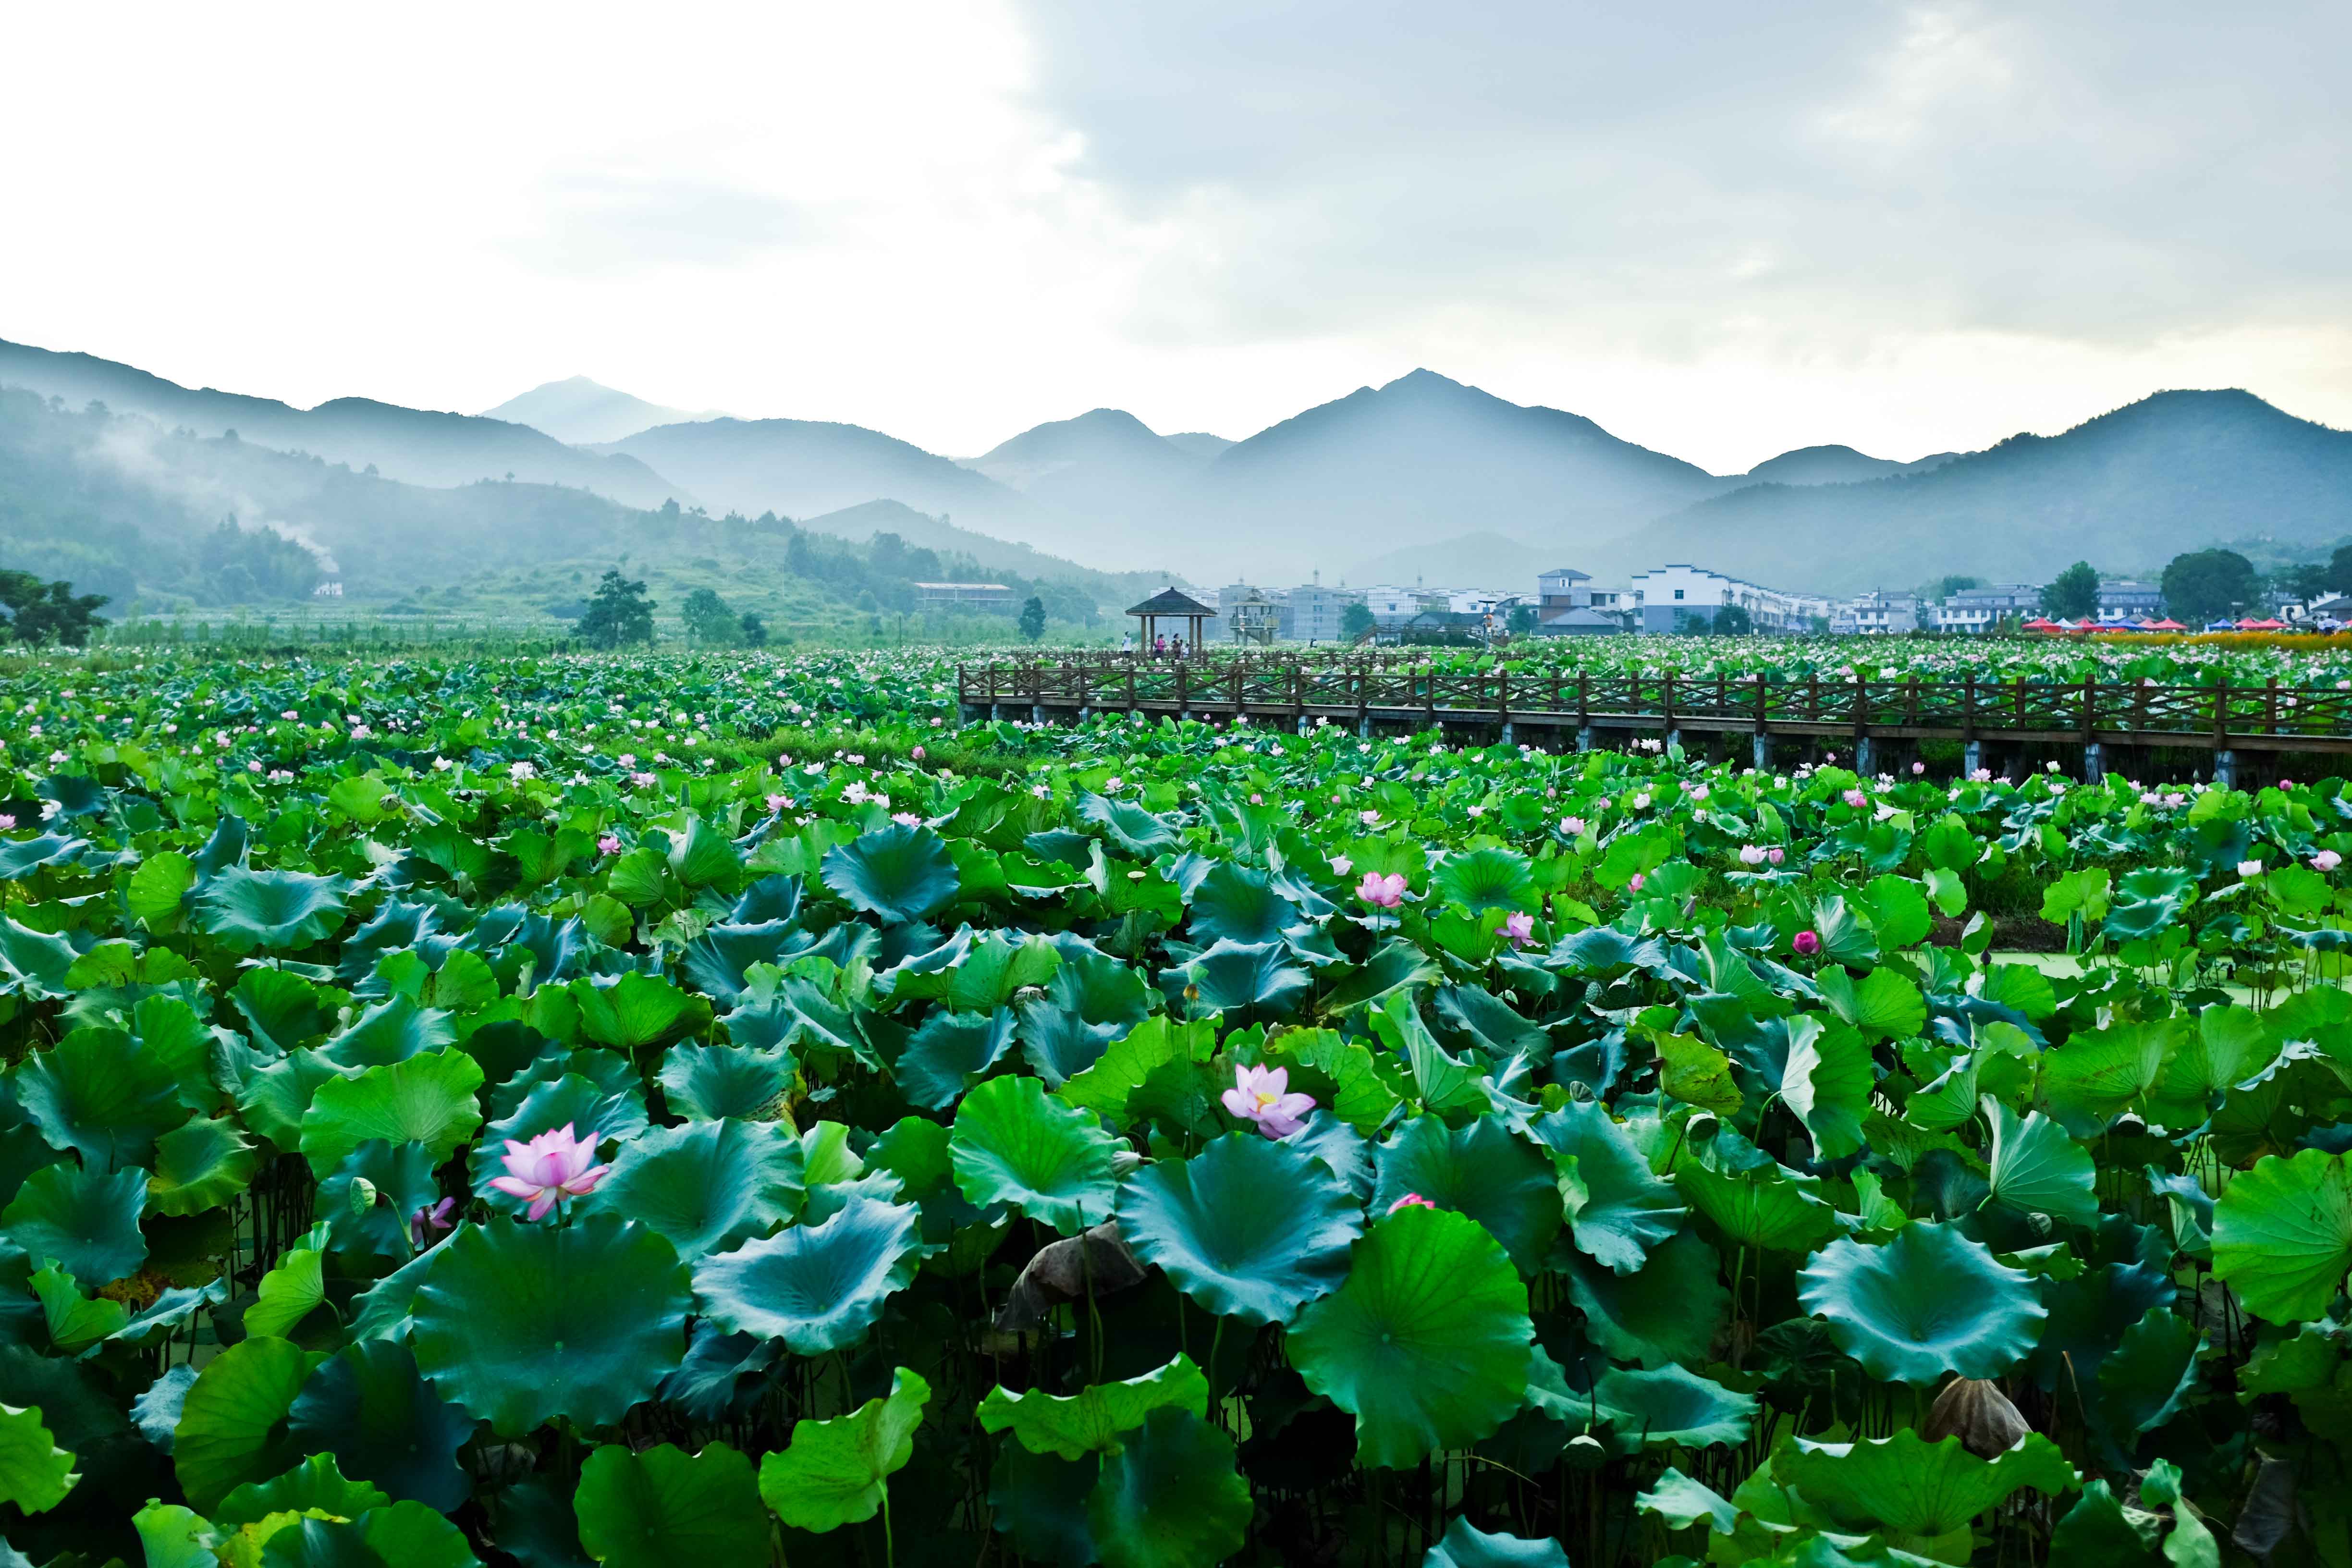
(1569, 706)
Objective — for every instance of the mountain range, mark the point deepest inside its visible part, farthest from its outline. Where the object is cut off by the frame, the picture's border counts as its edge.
(1424, 478)
(582, 412)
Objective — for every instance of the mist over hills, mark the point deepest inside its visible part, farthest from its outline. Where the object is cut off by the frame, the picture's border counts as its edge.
(2128, 490)
(1421, 478)
(582, 412)
(416, 445)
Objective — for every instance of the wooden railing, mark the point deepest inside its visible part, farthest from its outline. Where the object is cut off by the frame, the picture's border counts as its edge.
(2218, 716)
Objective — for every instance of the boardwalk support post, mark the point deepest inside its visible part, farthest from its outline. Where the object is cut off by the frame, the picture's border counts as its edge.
(1866, 755)
(1971, 757)
(1763, 752)
(2094, 763)
(1584, 738)
(2225, 768)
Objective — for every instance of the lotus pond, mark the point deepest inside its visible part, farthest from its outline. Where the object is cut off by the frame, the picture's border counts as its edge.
(721, 1111)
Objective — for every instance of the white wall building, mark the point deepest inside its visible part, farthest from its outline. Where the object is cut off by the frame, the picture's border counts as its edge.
(1980, 609)
(1877, 613)
(1667, 595)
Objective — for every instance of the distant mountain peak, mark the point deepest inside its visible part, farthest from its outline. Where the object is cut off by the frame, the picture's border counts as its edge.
(581, 412)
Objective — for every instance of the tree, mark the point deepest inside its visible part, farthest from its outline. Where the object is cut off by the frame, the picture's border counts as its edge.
(42, 612)
(2074, 594)
(1734, 621)
(1523, 620)
(708, 619)
(754, 630)
(2204, 584)
(1951, 583)
(619, 614)
(1357, 620)
(2339, 570)
(1033, 619)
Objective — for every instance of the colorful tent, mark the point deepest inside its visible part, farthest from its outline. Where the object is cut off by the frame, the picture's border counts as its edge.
(2264, 624)
(2165, 625)
(2040, 624)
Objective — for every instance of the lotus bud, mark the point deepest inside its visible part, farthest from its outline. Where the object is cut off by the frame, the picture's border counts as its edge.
(362, 1196)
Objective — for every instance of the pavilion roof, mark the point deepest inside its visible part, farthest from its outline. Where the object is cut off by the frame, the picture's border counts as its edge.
(1171, 601)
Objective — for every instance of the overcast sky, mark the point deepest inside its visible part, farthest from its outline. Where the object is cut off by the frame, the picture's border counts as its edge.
(1719, 228)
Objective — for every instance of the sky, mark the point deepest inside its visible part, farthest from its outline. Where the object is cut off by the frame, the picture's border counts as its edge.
(1721, 229)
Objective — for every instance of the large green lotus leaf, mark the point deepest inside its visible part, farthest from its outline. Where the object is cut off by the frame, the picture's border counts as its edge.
(2283, 1234)
(662, 1507)
(949, 1054)
(1426, 1344)
(2230, 1045)
(1928, 1303)
(1915, 1488)
(283, 1009)
(1668, 1311)
(1683, 1502)
(836, 1471)
(1827, 1082)
(536, 1525)
(1096, 1420)
(1482, 1170)
(87, 1219)
(2098, 1074)
(2149, 1376)
(274, 1097)
(916, 1152)
(900, 873)
(1011, 1144)
(175, 1536)
(199, 1166)
(1130, 826)
(2038, 1169)
(392, 1031)
(233, 1425)
(1243, 977)
(317, 1482)
(75, 1321)
(2101, 1531)
(410, 1535)
(1481, 880)
(708, 1083)
(1092, 1000)
(815, 1287)
(1109, 1082)
(1247, 1228)
(1038, 1503)
(706, 1185)
(1671, 1405)
(1760, 1206)
(295, 1287)
(639, 1011)
(523, 1324)
(1396, 967)
(1465, 1545)
(34, 1473)
(1171, 1498)
(276, 910)
(33, 963)
(594, 1116)
(427, 1100)
(98, 1093)
(1233, 903)
(973, 976)
(1624, 1210)
(367, 1405)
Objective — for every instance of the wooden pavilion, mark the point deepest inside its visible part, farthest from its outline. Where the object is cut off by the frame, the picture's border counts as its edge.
(1172, 604)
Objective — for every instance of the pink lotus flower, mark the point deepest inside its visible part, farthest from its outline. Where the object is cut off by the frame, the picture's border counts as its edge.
(6, 821)
(2327, 860)
(778, 802)
(1521, 928)
(550, 1168)
(1806, 943)
(1411, 1201)
(1262, 1095)
(1341, 865)
(1856, 799)
(425, 1221)
(608, 844)
(1636, 883)
(1776, 855)
(1918, 768)
(916, 753)
(1752, 854)
(1571, 826)
(1381, 892)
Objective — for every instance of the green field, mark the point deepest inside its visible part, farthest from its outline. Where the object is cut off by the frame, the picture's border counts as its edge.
(721, 1108)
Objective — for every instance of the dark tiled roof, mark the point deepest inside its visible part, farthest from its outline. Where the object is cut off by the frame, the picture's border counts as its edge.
(1168, 602)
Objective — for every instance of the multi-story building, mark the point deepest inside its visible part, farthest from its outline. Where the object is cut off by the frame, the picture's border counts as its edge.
(991, 598)
(1875, 612)
(1567, 602)
(2124, 600)
(1670, 597)
(1312, 613)
(1395, 606)
(1982, 609)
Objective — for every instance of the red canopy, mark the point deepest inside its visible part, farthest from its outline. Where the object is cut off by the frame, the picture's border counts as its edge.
(2165, 625)
(2039, 624)
(2266, 626)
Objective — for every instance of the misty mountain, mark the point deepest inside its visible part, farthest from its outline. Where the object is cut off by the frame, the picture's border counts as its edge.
(119, 504)
(2126, 491)
(411, 444)
(1106, 463)
(582, 412)
(1421, 459)
(805, 468)
(1470, 560)
(861, 523)
(1835, 465)
(1200, 443)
